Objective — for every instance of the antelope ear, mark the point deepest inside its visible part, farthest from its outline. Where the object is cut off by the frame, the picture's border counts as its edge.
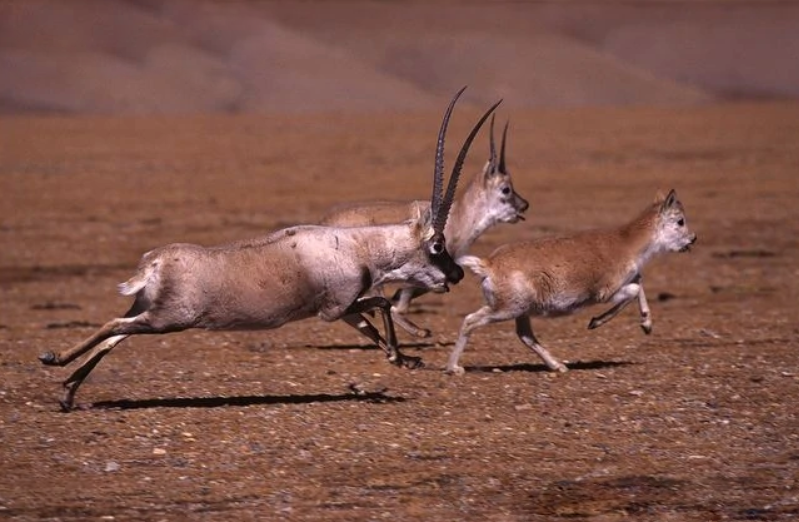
(487, 169)
(427, 231)
(422, 220)
(669, 200)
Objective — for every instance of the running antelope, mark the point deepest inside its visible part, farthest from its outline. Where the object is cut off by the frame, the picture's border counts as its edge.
(557, 276)
(291, 274)
(488, 199)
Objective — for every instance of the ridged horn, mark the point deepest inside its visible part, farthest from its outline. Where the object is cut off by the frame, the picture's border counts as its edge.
(502, 168)
(492, 150)
(438, 173)
(440, 217)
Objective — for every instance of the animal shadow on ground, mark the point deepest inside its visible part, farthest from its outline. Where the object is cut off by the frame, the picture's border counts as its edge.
(527, 367)
(263, 347)
(376, 397)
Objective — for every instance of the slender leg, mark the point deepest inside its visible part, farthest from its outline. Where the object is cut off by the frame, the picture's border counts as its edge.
(400, 308)
(361, 324)
(621, 299)
(604, 317)
(109, 329)
(74, 381)
(646, 314)
(525, 332)
(483, 316)
(133, 322)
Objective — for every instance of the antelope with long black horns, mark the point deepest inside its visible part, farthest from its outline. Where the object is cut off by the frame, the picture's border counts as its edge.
(487, 200)
(286, 276)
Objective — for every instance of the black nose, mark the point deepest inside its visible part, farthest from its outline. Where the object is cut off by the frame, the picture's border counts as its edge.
(693, 239)
(523, 205)
(455, 275)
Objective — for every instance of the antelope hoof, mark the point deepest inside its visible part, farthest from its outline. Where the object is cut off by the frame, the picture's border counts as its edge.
(410, 362)
(455, 370)
(559, 367)
(49, 358)
(67, 402)
(594, 323)
(647, 328)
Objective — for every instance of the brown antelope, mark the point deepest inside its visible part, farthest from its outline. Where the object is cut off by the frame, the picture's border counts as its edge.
(488, 199)
(557, 276)
(285, 276)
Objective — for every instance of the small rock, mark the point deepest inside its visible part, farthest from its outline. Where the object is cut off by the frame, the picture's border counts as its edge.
(111, 466)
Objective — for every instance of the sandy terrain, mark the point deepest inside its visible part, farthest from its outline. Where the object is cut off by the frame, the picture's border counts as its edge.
(695, 422)
(129, 125)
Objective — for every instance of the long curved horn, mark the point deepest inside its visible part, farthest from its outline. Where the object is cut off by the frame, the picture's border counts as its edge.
(502, 149)
(438, 173)
(492, 150)
(440, 218)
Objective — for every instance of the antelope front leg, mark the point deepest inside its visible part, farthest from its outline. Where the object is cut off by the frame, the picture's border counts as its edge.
(625, 296)
(621, 298)
(401, 307)
(483, 316)
(360, 323)
(603, 318)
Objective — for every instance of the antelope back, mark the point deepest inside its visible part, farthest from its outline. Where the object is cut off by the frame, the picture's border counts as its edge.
(373, 213)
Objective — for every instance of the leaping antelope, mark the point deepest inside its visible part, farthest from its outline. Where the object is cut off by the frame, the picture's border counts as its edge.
(557, 276)
(291, 274)
(487, 200)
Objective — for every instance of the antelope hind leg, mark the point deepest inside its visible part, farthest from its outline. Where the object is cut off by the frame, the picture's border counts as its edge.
(524, 331)
(73, 382)
(109, 329)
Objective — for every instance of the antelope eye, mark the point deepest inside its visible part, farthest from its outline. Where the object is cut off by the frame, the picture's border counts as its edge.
(437, 248)
(681, 222)
(505, 190)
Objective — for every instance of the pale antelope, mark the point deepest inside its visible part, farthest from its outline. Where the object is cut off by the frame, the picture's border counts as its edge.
(286, 276)
(488, 199)
(557, 276)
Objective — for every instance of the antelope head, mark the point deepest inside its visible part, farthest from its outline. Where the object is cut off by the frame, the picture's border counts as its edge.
(672, 233)
(435, 219)
(497, 184)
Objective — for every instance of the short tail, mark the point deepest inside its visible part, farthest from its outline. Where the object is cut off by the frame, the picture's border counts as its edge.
(144, 276)
(475, 264)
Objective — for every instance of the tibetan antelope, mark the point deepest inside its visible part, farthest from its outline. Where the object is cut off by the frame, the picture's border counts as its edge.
(291, 274)
(557, 276)
(488, 199)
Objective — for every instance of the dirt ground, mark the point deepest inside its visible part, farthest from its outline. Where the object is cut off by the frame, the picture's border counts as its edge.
(696, 422)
